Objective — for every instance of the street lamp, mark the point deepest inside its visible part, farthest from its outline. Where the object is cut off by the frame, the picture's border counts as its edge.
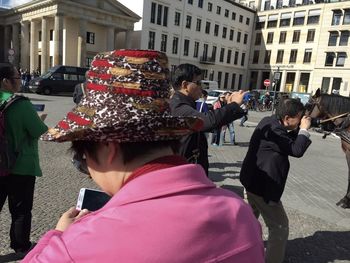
(276, 79)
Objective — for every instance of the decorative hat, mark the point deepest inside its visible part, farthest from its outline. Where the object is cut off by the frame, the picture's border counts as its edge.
(125, 101)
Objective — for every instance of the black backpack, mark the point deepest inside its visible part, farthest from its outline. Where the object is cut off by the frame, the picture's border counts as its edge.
(8, 155)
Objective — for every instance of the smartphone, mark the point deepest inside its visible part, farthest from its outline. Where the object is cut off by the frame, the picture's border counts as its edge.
(39, 107)
(91, 199)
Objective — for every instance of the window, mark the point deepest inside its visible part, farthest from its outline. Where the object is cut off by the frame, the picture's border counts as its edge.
(233, 81)
(196, 49)
(165, 17)
(310, 35)
(245, 39)
(229, 55)
(188, 21)
(240, 18)
(88, 62)
(242, 59)
(177, 18)
(247, 22)
(159, 14)
(239, 37)
(186, 47)
(272, 21)
(218, 10)
(216, 30)
(280, 54)
(344, 38)
(313, 17)
(207, 27)
(151, 40)
(333, 37)
(153, 13)
(325, 84)
(190, 2)
(293, 56)
(336, 17)
(175, 44)
(222, 54)
(205, 52)
(279, 4)
(346, 20)
(258, 39)
(227, 12)
(267, 5)
(231, 34)
(329, 59)
(299, 18)
(236, 57)
(283, 36)
(210, 7)
(240, 81)
(224, 32)
(219, 78)
(340, 59)
(285, 20)
(233, 16)
(51, 36)
(90, 37)
(260, 24)
(200, 3)
(213, 53)
(296, 36)
(163, 43)
(256, 57)
(269, 38)
(307, 55)
(39, 38)
(226, 80)
(198, 25)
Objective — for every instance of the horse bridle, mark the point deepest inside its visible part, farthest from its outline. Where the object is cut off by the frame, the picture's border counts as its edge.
(317, 104)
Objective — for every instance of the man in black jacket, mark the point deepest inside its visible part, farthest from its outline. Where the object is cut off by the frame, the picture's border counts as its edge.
(265, 169)
(186, 82)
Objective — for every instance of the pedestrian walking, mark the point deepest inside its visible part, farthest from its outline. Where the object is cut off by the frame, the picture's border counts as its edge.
(162, 209)
(244, 107)
(186, 82)
(22, 127)
(265, 169)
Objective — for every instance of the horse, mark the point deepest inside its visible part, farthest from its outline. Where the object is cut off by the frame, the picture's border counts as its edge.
(332, 114)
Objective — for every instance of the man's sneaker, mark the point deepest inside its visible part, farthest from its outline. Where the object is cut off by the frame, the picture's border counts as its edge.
(21, 253)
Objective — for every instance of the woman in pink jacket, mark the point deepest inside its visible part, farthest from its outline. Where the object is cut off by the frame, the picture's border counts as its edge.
(162, 208)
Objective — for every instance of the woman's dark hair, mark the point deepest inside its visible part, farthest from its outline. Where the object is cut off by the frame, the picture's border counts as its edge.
(290, 107)
(130, 150)
(184, 72)
(7, 71)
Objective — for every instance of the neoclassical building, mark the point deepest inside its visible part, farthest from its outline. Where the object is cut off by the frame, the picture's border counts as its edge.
(44, 33)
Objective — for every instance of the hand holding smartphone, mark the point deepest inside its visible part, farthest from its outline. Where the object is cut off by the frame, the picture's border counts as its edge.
(91, 199)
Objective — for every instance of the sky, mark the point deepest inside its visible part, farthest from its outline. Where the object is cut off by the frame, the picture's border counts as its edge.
(134, 5)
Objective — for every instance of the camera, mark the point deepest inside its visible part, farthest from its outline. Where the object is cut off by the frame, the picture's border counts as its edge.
(315, 122)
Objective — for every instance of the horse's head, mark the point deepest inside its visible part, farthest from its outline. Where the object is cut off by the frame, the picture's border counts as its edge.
(313, 108)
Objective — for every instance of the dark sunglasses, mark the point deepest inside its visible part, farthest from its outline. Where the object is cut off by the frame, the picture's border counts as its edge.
(79, 162)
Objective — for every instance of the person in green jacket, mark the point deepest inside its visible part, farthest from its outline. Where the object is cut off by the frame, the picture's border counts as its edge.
(23, 127)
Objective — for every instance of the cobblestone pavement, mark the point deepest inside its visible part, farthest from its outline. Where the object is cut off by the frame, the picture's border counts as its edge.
(319, 230)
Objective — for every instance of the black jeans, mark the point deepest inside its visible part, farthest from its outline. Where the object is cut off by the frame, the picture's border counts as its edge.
(19, 189)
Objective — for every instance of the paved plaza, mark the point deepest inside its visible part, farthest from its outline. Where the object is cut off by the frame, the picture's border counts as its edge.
(319, 230)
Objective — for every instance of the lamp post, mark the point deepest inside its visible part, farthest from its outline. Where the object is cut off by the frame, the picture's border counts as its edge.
(276, 79)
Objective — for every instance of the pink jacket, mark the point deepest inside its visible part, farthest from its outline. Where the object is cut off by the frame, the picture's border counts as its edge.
(170, 215)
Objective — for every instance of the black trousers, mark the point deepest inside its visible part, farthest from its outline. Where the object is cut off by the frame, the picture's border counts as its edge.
(19, 189)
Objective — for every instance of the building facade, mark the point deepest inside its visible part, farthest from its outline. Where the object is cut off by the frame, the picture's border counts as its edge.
(305, 42)
(44, 33)
(213, 35)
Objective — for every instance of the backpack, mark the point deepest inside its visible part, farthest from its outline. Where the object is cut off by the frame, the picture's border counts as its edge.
(8, 155)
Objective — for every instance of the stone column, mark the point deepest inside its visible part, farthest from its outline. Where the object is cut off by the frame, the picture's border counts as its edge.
(15, 42)
(283, 80)
(44, 46)
(110, 38)
(81, 54)
(128, 39)
(296, 81)
(33, 46)
(24, 45)
(7, 41)
(58, 40)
